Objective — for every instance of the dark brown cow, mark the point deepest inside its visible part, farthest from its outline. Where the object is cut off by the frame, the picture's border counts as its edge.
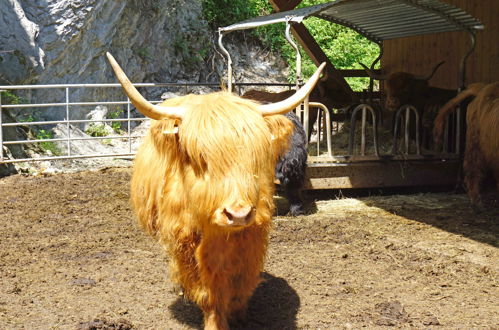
(481, 155)
(402, 88)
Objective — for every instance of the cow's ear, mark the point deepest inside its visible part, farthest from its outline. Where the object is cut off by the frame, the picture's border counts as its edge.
(281, 129)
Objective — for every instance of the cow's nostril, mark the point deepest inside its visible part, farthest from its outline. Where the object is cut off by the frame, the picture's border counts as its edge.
(238, 215)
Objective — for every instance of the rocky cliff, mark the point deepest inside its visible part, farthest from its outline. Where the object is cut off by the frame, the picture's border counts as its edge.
(64, 42)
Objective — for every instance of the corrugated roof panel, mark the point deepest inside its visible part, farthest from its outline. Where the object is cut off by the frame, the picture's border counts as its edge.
(380, 20)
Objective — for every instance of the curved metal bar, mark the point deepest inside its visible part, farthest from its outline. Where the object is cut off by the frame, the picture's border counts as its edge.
(299, 78)
(328, 125)
(229, 60)
(353, 122)
(408, 109)
(462, 66)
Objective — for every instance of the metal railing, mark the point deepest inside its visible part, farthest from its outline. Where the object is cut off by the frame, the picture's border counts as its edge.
(127, 137)
(69, 104)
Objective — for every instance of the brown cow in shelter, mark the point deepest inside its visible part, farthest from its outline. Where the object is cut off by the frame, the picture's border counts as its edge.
(203, 184)
(481, 155)
(403, 88)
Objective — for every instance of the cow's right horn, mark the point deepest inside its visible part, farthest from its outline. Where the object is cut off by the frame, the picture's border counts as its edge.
(145, 107)
(292, 102)
(373, 75)
(429, 76)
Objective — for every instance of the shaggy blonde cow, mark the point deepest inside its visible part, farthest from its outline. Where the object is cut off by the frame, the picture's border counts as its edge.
(481, 156)
(203, 183)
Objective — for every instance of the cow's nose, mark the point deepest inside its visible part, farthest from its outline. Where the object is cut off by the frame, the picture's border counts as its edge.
(239, 215)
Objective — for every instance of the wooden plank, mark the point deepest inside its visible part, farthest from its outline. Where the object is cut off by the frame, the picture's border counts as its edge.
(382, 174)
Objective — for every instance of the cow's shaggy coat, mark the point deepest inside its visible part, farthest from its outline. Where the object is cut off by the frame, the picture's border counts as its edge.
(224, 153)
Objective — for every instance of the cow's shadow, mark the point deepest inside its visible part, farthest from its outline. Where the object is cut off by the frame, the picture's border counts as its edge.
(274, 305)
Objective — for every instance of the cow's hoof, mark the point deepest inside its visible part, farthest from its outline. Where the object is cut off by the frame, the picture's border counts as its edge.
(238, 317)
(296, 210)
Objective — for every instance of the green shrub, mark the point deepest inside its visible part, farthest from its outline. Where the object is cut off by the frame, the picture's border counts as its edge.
(8, 97)
(96, 130)
(49, 145)
(116, 125)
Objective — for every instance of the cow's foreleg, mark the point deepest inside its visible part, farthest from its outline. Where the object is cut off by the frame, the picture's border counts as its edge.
(474, 168)
(215, 320)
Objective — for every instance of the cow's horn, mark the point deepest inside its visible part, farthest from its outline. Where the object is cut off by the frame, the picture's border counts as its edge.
(373, 75)
(145, 107)
(428, 77)
(292, 102)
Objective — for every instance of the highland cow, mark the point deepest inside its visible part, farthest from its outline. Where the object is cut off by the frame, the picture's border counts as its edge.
(203, 183)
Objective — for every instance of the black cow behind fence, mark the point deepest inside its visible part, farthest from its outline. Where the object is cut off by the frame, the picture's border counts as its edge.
(290, 170)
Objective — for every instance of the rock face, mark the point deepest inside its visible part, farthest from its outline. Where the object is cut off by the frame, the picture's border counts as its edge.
(64, 41)
(60, 41)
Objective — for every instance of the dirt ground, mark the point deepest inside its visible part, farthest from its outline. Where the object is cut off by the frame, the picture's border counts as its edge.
(72, 257)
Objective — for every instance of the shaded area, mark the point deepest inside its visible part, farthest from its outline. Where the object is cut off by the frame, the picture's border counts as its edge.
(274, 305)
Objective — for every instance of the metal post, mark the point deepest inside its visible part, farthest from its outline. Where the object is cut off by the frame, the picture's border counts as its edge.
(299, 78)
(1, 128)
(458, 130)
(363, 133)
(406, 130)
(67, 120)
(129, 126)
(229, 61)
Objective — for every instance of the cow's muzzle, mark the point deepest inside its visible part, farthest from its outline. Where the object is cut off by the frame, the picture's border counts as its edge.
(236, 215)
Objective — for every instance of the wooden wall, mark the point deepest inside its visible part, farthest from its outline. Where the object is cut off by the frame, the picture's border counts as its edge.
(419, 54)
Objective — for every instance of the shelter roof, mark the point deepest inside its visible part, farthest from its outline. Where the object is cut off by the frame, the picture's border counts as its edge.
(377, 20)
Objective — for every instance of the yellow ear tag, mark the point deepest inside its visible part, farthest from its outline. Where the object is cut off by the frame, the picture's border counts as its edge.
(174, 130)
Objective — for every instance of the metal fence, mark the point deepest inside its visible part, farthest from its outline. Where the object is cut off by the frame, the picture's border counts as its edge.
(69, 104)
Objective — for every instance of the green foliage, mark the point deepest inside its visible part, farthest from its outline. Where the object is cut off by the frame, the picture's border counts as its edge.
(49, 145)
(96, 130)
(143, 52)
(116, 125)
(9, 97)
(28, 118)
(220, 13)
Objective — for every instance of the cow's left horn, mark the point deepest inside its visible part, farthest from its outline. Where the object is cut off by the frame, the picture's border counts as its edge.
(145, 107)
(292, 102)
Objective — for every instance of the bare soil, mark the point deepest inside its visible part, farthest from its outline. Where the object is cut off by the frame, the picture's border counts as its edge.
(72, 257)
